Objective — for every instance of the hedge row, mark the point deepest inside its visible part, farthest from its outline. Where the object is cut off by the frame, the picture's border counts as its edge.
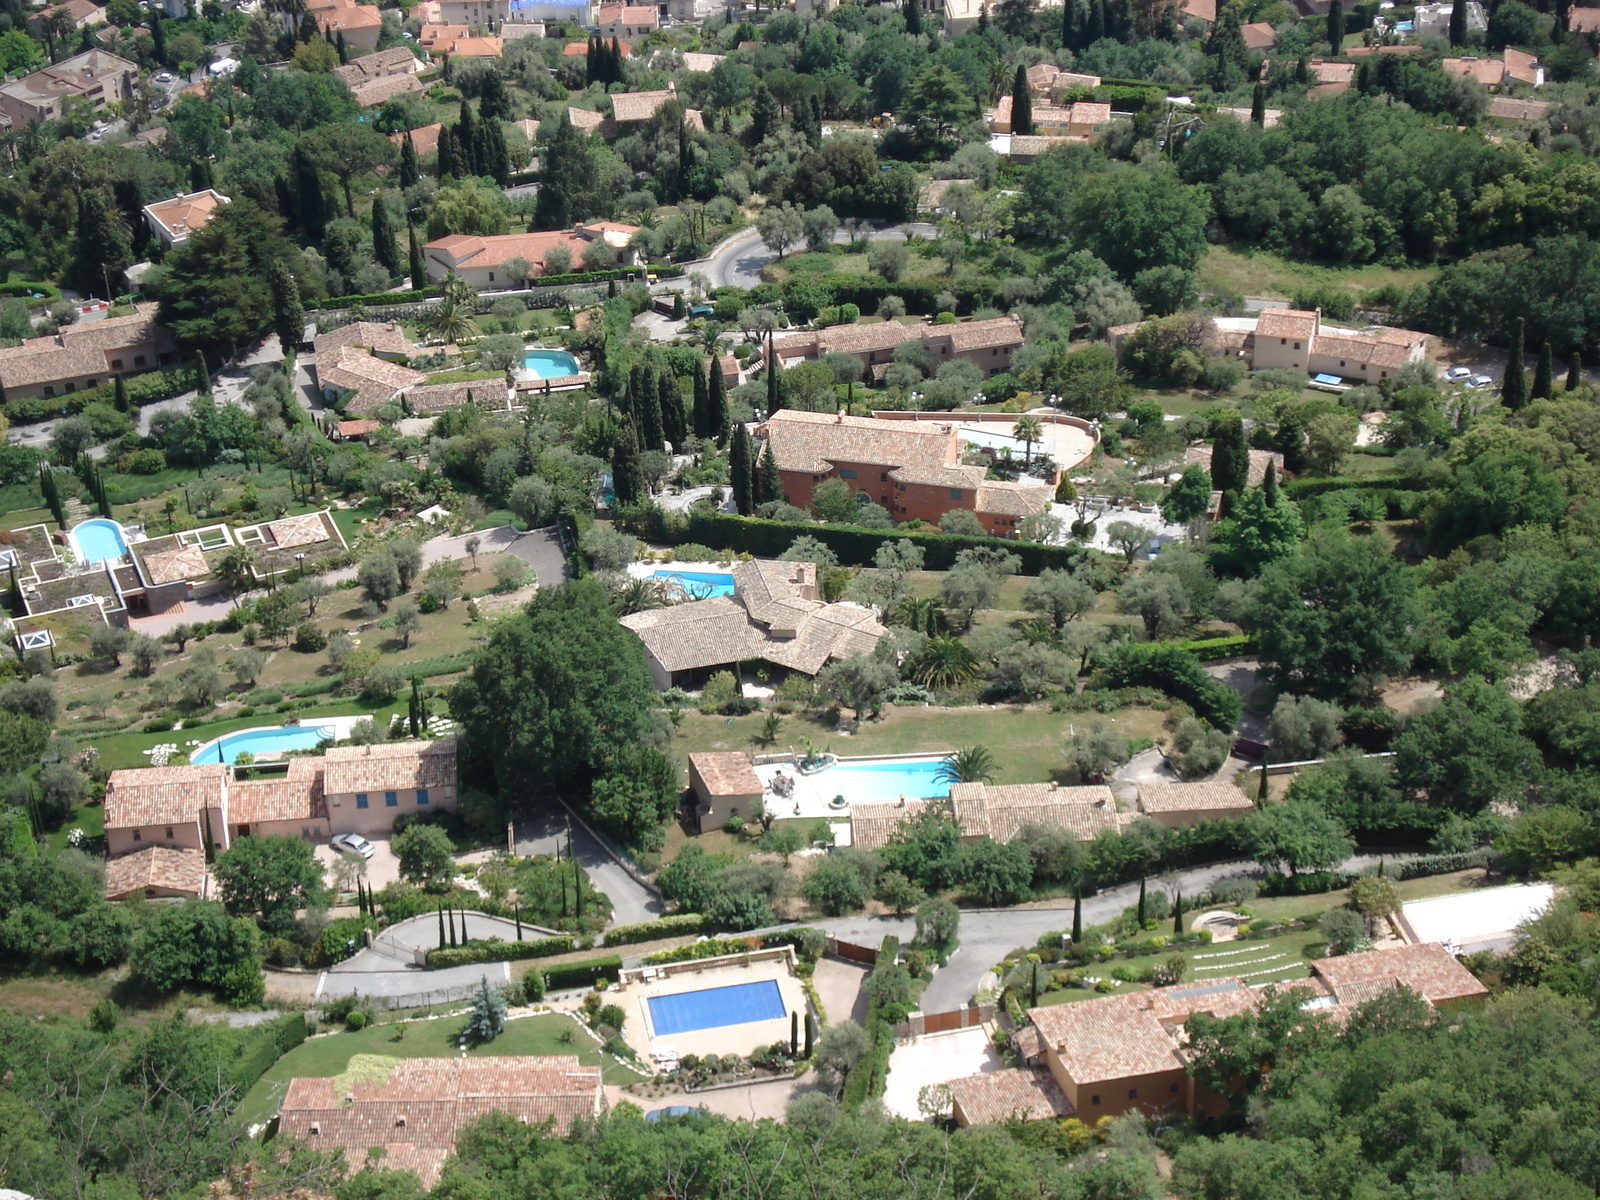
(1438, 864)
(682, 925)
(1300, 489)
(1218, 647)
(870, 1076)
(480, 950)
(856, 547)
(1314, 882)
(583, 974)
(267, 1045)
(694, 951)
(143, 389)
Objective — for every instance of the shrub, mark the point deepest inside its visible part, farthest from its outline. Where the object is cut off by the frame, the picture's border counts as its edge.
(684, 924)
(309, 639)
(583, 974)
(496, 950)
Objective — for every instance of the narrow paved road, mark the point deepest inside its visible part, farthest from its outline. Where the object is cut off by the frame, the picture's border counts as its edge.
(737, 261)
(631, 901)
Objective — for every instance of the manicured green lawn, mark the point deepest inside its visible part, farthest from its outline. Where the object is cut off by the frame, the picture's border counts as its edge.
(125, 749)
(1266, 960)
(325, 1057)
(91, 818)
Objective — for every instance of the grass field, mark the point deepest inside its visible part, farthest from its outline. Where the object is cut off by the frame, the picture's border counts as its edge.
(1258, 273)
(325, 1057)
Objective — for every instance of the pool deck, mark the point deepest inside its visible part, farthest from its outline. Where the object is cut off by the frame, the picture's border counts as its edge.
(340, 726)
(721, 1039)
(811, 795)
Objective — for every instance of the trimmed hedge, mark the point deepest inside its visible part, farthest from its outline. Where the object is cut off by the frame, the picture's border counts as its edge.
(1218, 647)
(145, 388)
(694, 951)
(856, 547)
(682, 925)
(480, 950)
(1438, 864)
(1300, 489)
(265, 1046)
(583, 974)
(1176, 672)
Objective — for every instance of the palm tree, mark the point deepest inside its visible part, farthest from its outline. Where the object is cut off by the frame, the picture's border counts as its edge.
(638, 595)
(970, 764)
(450, 320)
(944, 662)
(1028, 430)
(919, 614)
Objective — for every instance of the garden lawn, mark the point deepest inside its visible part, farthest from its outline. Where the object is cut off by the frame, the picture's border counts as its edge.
(91, 818)
(125, 749)
(1261, 274)
(1257, 961)
(325, 1057)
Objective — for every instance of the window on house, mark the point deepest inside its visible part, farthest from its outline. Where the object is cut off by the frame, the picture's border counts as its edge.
(361, 799)
(116, 364)
(847, 472)
(390, 799)
(491, 276)
(422, 795)
(137, 836)
(883, 477)
(169, 830)
(1133, 1093)
(1297, 345)
(1283, 341)
(1173, 1086)
(71, 387)
(138, 360)
(955, 493)
(49, 391)
(1094, 1101)
(1341, 362)
(305, 831)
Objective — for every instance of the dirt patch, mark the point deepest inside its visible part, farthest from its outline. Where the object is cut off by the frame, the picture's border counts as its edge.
(1409, 693)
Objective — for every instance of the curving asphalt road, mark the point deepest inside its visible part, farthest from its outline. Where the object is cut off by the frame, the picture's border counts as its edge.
(737, 260)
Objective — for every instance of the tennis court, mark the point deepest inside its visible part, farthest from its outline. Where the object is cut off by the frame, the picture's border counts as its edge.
(711, 1008)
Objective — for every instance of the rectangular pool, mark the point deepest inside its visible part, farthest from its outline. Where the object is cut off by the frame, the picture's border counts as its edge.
(711, 1008)
(883, 782)
(698, 585)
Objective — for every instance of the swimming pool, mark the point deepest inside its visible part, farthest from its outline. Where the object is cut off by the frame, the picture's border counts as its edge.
(264, 741)
(699, 585)
(550, 364)
(883, 782)
(711, 1008)
(97, 540)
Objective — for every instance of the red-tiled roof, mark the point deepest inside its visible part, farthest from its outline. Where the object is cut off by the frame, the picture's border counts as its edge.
(1018, 1093)
(726, 774)
(393, 766)
(168, 868)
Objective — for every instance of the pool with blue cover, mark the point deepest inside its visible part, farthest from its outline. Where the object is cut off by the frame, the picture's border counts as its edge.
(712, 1008)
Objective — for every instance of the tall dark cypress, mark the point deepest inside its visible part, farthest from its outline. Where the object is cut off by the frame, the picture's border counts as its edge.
(1336, 27)
(467, 139)
(1021, 103)
(384, 249)
(670, 400)
(158, 39)
(445, 166)
(1514, 391)
(741, 471)
(717, 405)
(123, 404)
(912, 11)
(1069, 24)
(1077, 915)
(1230, 458)
(774, 378)
(627, 477)
(288, 315)
(769, 484)
(344, 50)
(591, 62)
(1258, 104)
(702, 403)
(419, 268)
(1544, 378)
(409, 173)
(647, 403)
(614, 58)
(1142, 901)
(310, 205)
(1269, 486)
(1095, 26)
(1458, 23)
(1574, 369)
(496, 157)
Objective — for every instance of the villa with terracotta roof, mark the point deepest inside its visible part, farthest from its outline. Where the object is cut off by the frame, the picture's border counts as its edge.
(424, 138)
(776, 613)
(1514, 67)
(346, 789)
(359, 23)
(86, 355)
(998, 812)
(376, 78)
(911, 468)
(987, 344)
(1296, 339)
(481, 260)
(724, 783)
(407, 1117)
(1118, 1054)
(1082, 120)
(157, 872)
(632, 108)
(1178, 804)
(630, 24)
(360, 360)
(173, 221)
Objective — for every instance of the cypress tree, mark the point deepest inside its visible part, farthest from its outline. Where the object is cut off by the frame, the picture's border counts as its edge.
(441, 927)
(1177, 913)
(1077, 915)
(590, 62)
(1069, 24)
(419, 268)
(614, 58)
(1258, 104)
(1230, 458)
(121, 395)
(200, 176)
(308, 28)
(1021, 103)
(158, 39)
(794, 1032)
(1514, 391)
(344, 50)
(1302, 70)
(452, 912)
(702, 403)
(384, 249)
(1095, 27)
(912, 10)
(740, 471)
(496, 157)
(1458, 23)
(516, 913)
(774, 377)
(717, 406)
(647, 403)
(1141, 900)
(1269, 485)
(670, 400)
(1336, 27)
(1574, 369)
(627, 476)
(810, 1031)
(1291, 443)
(310, 203)
(466, 139)
(409, 173)
(769, 484)
(494, 104)
(445, 166)
(202, 374)
(288, 315)
(14, 595)
(1544, 379)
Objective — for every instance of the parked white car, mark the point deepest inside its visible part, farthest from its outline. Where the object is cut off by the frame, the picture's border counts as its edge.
(354, 843)
(1458, 375)
(1480, 381)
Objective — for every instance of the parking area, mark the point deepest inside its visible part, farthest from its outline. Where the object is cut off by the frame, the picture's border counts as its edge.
(936, 1058)
(382, 868)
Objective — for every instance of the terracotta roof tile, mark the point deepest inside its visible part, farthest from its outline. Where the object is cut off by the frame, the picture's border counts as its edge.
(83, 349)
(628, 107)
(1427, 969)
(182, 215)
(144, 796)
(297, 796)
(1018, 1093)
(1506, 108)
(393, 766)
(1192, 797)
(726, 774)
(169, 566)
(170, 868)
(1286, 323)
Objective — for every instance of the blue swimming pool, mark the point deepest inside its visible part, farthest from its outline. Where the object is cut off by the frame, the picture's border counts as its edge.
(550, 364)
(883, 782)
(699, 585)
(97, 540)
(712, 1008)
(263, 741)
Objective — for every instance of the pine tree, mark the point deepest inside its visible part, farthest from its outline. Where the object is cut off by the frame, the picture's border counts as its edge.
(1077, 915)
(288, 315)
(1021, 103)
(384, 249)
(740, 471)
(487, 1020)
(1514, 391)
(1574, 370)
(419, 268)
(120, 395)
(409, 171)
(912, 11)
(1458, 23)
(627, 476)
(702, 403)
(1258, 104)
(769, 483)
(765, 115)
(1336, 27)
(103, 246)
(1269, 485)
(1544, 378)
(717, 406)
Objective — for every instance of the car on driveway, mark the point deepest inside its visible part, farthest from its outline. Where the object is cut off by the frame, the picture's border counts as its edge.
(164, 77)
(1458, 374)
(353, 843)
(1480, 381)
